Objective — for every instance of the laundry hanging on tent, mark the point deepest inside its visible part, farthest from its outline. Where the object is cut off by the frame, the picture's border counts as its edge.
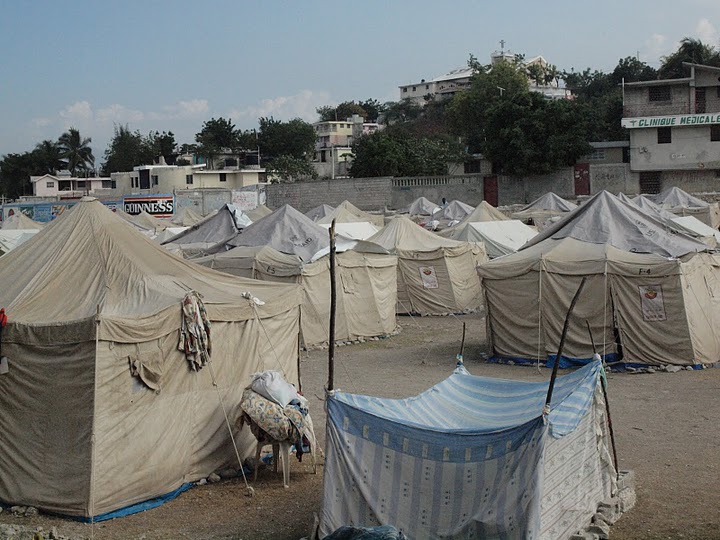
(195, 331)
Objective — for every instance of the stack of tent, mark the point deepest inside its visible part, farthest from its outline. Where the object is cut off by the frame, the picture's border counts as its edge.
(101, 409)
(16, 230)
(319, 212)
(488, 226)
(542, 209)
(205, 235)
(286, 246)
(435, 276)
(679, 202)
(657, 290)
(472, 457)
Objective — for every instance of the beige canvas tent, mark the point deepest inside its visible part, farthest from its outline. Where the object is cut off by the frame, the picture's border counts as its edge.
(657, 290)
(100, 408)
(319, 212)
(498, 238)
(20, 222)
(543, 208)
(366, 288)
(346, 207)
(435, 275)
(186, 217)
(256, 214)
(681, 203)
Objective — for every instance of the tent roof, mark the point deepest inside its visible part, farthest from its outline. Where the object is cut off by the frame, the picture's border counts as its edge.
(550, 201)
(112, 269)
(287, 231)
(319, 212)
(256, 214)
(499, 237)
(484, 212)
(695, 227)
(20, 221)
(186, 217)
(649, 207)
(404, 234)
(149, 222)
(455, 210)
(343, 215)
(468, 404)
(605, 219)
(215, 228)
(677, 198)
(422, 207)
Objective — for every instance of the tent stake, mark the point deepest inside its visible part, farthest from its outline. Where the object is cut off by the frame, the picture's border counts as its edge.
(333, 298)
(546, 409)
(603, 384)
(299, 349)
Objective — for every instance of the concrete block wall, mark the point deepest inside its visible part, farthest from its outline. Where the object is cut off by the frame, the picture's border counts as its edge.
(615, 178)
(365, 193)
(466, 188)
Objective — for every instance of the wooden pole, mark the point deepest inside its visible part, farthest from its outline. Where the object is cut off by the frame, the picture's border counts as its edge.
(333, 300)
(603, 384)
(462, 345)
(548, 399)
(299, 351)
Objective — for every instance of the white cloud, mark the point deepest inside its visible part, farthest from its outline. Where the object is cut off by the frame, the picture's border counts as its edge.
(302, 105)
(41, 122)
(706, 32)
(79, 113)
(656, 46)
(194, 108)
(118, 114)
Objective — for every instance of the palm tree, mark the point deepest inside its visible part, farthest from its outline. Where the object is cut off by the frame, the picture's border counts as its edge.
(76, 151)
(48, 156)
(692, 51)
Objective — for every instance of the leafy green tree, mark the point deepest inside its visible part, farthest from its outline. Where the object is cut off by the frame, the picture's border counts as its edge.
(162, 144)
(76, 151)
(126, 149)
(690, 50)
(373, 108)
(295, 138)
(401, 111)
(345, 110)
(630, 69)
(15, 172)
(286, 169)
(398, 153)
(48, 157)
(217, 136)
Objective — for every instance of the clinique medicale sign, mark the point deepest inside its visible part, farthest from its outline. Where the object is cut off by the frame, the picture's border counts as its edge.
(671, 121)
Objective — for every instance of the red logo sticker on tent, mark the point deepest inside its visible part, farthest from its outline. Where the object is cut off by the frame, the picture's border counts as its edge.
(653, 306)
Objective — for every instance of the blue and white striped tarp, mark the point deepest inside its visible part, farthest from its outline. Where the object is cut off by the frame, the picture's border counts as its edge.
(460, 460)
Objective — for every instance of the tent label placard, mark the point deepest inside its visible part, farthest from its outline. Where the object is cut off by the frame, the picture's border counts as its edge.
(429, 277)
(651, 299)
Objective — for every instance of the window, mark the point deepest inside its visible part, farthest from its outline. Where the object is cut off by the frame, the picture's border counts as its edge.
(107, 184)
(81, 184)
(414, 88)
(650, 182)
(144, 179)
(404, 90)
(113, 184)
(597, 155)
(223, 177)
(715, 133)
(659, 93)
(154, 179)
(188, 179)
(323, 156)
(427, 87)
(472, 167)
(50, 185)
(664, 135)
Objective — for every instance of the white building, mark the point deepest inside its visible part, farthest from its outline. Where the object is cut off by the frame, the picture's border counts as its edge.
(447, 85)
(64, 186)
(333, 147)
(146, 179)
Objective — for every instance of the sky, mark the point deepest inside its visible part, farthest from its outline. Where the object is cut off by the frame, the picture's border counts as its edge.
(171, 65)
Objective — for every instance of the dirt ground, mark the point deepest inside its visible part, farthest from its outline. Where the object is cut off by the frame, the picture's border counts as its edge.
(667, 427)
